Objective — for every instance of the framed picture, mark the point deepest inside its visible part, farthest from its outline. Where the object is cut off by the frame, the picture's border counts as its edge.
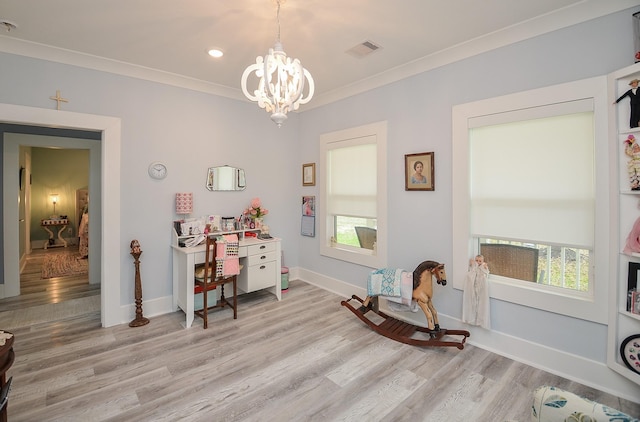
(419, 171)
(309, 174)
(309, 205)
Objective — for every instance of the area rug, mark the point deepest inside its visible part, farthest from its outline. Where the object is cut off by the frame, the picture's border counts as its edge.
(64, 264)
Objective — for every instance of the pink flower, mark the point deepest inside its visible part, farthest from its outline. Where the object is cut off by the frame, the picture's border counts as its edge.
(255, 210)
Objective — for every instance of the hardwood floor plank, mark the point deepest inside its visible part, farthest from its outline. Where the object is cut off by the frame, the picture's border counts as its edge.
(304, 358)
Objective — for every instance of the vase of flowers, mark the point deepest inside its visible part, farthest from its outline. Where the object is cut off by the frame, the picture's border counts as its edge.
(256, 212)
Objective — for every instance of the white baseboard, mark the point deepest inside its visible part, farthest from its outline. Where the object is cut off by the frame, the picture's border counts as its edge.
(150, 308)
(576, 368)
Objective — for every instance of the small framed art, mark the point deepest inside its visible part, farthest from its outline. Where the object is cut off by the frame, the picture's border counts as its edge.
(419, 171)
(309, 174)
(309, 205)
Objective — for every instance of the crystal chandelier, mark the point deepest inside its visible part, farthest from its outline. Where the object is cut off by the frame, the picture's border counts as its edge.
(281, 81)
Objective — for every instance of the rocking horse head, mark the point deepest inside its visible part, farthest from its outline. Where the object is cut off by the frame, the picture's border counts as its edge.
(435, 268)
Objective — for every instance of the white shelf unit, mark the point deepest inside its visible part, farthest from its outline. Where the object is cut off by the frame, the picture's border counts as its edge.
(177, 239)
(625, 210)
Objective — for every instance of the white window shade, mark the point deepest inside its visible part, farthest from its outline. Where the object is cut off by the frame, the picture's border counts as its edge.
(352, 177)
(545, 192)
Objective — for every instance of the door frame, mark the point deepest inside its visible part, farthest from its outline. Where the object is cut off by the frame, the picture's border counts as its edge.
(106, 181)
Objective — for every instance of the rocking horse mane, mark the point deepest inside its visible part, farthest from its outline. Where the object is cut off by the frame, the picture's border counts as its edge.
(424, 266)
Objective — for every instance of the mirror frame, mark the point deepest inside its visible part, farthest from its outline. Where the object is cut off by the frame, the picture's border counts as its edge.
(237, 182)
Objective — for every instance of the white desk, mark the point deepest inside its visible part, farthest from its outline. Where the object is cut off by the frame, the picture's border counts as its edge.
(261, 270)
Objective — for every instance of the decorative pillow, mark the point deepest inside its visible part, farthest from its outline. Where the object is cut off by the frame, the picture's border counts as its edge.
(199, 272)
(551, 404)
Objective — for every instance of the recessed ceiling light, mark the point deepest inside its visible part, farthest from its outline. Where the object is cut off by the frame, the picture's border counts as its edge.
(214, 52)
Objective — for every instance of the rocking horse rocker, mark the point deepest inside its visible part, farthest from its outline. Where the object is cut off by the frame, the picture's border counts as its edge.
(422, 293)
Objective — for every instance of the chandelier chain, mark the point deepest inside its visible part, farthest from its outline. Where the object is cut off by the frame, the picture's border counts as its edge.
(278, 20)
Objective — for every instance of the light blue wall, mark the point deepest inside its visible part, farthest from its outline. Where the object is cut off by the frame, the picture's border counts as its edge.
(418, 112)
(191, 131)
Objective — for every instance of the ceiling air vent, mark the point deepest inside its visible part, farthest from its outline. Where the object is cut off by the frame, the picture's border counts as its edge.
(364, 49)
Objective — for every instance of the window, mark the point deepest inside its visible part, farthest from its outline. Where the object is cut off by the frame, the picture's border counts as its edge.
(353, 195)
(528, 192)
(533, 180)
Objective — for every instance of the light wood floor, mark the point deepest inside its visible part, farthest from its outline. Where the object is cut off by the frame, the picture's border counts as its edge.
(305, 358)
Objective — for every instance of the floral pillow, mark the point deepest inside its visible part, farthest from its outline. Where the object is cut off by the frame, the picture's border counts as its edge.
(551, 404)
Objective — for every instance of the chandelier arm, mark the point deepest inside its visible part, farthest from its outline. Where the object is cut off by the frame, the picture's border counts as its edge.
(312, 87)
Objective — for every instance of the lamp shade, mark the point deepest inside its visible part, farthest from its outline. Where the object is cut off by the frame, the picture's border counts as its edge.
(184, 203)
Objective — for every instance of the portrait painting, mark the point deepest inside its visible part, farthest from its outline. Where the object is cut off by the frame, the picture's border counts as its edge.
(419, 171)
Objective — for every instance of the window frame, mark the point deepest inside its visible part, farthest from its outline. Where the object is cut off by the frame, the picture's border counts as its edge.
(355, 255)
(591, 307)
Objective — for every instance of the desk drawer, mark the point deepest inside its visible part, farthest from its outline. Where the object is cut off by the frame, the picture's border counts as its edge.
(261, 248)
(260, 258)
(256, 277)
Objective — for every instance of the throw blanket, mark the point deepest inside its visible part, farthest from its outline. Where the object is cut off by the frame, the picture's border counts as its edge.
(394, 285)
(384, 282)
(227, 262)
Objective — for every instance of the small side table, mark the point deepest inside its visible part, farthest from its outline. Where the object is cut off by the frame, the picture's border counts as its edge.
(61, 224)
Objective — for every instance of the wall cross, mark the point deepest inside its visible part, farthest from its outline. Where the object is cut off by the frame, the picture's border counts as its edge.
(59, 100)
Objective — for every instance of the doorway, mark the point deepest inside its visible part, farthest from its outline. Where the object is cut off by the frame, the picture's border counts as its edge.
(104, 180)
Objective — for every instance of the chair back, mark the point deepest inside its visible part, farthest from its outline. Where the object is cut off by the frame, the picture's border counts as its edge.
(366, 236)
(519, 262)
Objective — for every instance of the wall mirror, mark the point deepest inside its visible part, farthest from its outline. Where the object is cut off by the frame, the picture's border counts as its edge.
(225, 178)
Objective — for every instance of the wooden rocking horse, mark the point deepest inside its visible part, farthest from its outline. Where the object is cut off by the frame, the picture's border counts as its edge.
(405, 332)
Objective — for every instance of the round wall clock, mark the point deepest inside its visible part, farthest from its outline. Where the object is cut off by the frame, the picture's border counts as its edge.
(630, 352)
(157, 170)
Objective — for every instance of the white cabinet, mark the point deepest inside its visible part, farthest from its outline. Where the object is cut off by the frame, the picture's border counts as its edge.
(260, 267)
(625, 211)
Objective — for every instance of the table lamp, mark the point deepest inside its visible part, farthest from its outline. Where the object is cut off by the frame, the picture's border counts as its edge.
(54, 199)
(184, 203)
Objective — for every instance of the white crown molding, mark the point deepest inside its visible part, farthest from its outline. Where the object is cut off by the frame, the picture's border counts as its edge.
(74, 58)
(570, 15)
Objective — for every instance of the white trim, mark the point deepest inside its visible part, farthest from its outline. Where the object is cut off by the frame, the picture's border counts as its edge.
(110, 248)
(378, 260)
(590, 310)
(575, 368)
(87, 61)
(571, 15)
